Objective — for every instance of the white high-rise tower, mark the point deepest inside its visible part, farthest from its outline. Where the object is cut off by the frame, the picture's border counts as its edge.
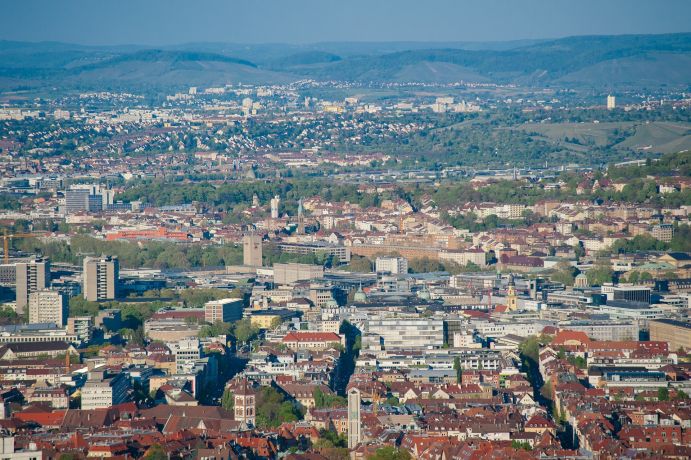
(611, 102)
(275, 204)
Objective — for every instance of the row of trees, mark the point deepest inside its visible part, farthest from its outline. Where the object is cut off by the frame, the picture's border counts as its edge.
(242, 330)
(153, 254)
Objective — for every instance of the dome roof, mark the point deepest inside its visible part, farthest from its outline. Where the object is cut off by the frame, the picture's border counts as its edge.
(424, 294)
(360, 296)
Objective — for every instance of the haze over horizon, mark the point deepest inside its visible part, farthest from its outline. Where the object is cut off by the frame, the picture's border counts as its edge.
(171, 22)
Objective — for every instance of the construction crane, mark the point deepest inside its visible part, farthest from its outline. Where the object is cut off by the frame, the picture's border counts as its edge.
(6, 237)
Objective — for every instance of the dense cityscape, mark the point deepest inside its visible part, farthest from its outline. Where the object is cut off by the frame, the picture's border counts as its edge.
(336, 266)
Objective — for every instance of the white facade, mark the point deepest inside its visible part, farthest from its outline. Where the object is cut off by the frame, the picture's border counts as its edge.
(47, 307)
(611, 102)
(408, 333)
(393, 265)
(99, 392)
(186, 351)
(275, 204)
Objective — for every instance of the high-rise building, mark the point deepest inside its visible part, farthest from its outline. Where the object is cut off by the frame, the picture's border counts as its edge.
(252, 250)
(100, 278)
(31, 276)
(354, 436)
(89, 198)
(611, 102)
(226, 310)
(77, 200)
(275, 204)
(46, 306)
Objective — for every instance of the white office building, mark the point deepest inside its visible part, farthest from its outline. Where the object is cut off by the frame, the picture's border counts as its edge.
(408, 333)
(102, 390)
(393, 265)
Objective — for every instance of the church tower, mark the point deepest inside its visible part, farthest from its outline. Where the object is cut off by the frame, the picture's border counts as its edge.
(245, 404)
(354, 436)
(512, 298)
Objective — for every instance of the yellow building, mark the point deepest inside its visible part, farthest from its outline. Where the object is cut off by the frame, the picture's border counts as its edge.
(268, 319)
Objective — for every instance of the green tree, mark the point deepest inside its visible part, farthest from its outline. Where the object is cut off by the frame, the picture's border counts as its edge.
(325, 400)
(228, 400)
(359, 264)
(565, 273)
(244, 331)
(215, 329)
(681, 395)
(600, 273)
(390, 453)
(662, 394)
(458, 368)
(155, 452)
(393, 401)
(273, 409)
(521, 445)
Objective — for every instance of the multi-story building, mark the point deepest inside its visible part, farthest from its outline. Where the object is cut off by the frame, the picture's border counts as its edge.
(101, 277)
(89, 198)
(244, 399)
(321, 295)
(627, 292)
(408, 333)
(340, 253)
(8, 274)
(225, 310)
(663, 232)
(393, 265)
(31, 276)
(676, 333)
(611, 102)
(34, 333)
(47, 306)
(252, 250)
(463, 257)
(310, 340)
(186, 351)
(81, 327)
(8, 450)
(605, 330)
(102, 390)
(293, 272)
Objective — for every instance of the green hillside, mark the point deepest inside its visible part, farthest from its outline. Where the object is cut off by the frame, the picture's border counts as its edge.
(592, 61)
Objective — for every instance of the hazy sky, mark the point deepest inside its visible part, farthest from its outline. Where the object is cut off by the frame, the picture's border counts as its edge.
(157, 22)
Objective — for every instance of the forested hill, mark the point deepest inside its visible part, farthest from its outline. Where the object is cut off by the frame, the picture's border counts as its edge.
(590, 61)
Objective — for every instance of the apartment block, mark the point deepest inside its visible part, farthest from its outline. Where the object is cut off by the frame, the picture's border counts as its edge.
(47, 306)
(31, 276)
(100, 278)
